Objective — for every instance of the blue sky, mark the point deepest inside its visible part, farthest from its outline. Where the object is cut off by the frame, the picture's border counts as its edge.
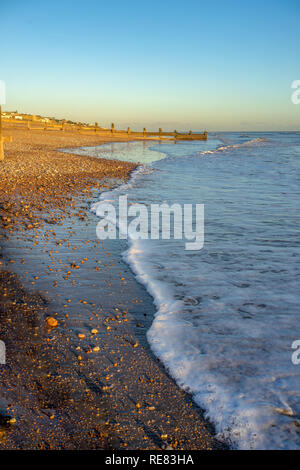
(219, 65)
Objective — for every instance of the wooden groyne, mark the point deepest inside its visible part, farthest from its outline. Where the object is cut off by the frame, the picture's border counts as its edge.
(46, 124)
(65, 126)
(176, 135)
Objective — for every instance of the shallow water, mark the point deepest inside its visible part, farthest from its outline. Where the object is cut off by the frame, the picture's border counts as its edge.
(227, 314)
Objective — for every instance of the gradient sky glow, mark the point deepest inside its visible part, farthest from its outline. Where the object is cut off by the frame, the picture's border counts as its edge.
(219, 65)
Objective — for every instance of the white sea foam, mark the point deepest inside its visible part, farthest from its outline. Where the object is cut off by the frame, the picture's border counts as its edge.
(228, 147)
(226, 316)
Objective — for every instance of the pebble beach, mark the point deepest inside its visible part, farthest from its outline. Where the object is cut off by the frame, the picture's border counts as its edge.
(79, 372)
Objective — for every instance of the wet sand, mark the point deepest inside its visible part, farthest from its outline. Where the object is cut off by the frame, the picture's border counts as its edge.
(91, 382)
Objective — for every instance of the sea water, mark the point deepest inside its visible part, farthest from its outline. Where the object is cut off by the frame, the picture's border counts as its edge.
(227, 314)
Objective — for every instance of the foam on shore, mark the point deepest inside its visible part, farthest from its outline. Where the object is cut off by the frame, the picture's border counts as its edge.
(227, 315)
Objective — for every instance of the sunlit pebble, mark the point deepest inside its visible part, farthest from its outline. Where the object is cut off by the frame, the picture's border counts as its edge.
(51, 322)
(81, 336)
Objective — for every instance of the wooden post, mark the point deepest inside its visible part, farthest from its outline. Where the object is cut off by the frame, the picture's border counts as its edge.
(175, 132)
(28, 125)
(190, 132)
(63, 125)
(144, 131)
(112, 128)
(160, 131)
(96, 126)
(128, 130)
(79, 126)
(1, 141)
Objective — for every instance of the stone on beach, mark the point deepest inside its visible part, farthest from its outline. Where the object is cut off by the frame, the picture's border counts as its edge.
(51, 322)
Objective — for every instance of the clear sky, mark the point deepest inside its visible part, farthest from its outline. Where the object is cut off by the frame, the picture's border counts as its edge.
(219, 65)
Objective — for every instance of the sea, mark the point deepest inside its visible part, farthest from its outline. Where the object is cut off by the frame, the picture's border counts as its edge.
(227, 315)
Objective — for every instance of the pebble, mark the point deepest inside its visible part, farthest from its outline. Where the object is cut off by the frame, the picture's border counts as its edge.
(51, 322)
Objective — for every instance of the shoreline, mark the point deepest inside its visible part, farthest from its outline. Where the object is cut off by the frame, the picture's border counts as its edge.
(113, 393)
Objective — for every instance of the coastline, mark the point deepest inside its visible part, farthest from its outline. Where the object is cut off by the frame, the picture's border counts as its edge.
(103, 390)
